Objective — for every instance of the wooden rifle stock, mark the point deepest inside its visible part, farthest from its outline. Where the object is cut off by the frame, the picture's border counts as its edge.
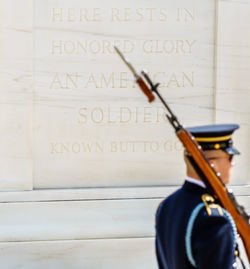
(198, 160)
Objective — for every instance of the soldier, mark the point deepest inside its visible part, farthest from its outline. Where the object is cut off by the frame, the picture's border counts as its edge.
(191, 230)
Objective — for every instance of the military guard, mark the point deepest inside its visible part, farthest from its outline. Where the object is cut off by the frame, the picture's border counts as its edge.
(192, 231)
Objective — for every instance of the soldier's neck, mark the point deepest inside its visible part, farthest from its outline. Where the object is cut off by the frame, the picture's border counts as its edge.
(193, 174)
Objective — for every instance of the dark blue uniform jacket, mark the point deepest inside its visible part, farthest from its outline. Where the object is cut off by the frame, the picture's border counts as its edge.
(212, 240)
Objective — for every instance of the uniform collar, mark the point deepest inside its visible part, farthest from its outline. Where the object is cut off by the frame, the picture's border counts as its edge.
(192, 187)
(196, 182)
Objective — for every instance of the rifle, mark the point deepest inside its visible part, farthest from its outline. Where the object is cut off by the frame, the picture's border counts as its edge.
(199, 161)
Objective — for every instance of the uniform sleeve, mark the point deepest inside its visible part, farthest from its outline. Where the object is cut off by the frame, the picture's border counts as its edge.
(158, 257)
(213, 243)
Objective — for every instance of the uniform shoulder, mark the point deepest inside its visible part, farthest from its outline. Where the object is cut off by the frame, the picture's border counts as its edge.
(210, 211)
(165, 203)
(215, 218)
(210, 230)
(167, 200)
(211, 215)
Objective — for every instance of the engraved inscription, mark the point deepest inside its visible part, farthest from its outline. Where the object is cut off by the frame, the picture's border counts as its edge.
(121, 80)
(168, 46)
(185, 14)
(143, 146)
(122, 115)
(81, 47)
(76, 15)
(78, 47)
(122, 15)
(96, 114)
(138, 15)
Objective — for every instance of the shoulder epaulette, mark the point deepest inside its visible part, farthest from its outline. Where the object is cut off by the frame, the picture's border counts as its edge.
(210, 205)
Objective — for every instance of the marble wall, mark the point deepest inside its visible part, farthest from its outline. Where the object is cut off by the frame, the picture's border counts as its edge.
(16, 95)
(233, 80)
(93, 125)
